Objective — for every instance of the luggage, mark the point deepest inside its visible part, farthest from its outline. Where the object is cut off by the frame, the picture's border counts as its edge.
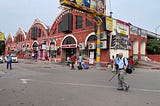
(85, 66)
(79, 67)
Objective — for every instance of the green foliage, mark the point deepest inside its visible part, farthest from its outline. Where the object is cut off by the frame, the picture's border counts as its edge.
(153, 46)
(2, 47)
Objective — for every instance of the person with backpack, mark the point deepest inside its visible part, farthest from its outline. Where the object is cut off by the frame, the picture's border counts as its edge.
(122, 63)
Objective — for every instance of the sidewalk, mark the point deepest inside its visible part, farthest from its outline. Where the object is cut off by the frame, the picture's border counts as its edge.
(148, 65)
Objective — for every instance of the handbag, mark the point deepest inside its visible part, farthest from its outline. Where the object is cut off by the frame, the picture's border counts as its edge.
(129, 71)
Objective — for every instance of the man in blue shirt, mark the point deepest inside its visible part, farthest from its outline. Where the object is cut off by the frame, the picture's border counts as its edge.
(122, 64)
(80, 60)
(9, 61)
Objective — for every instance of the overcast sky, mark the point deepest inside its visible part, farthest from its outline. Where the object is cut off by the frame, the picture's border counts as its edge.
(22, 13)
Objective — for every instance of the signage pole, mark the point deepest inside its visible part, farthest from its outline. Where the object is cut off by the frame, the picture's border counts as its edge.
(98, 42)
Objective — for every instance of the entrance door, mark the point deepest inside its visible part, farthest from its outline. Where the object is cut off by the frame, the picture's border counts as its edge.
(68, 52)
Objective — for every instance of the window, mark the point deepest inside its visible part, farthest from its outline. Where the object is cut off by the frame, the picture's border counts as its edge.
(79, 20)
(60, 26)
(39, 33)
(88, 23)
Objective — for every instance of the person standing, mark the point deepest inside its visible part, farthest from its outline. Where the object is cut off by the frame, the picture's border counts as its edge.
(9, 61)
(122, 63)
(116, 61)
(68, 61)
(131, 62)
(72, 62)
(113, 64)
(80, 59)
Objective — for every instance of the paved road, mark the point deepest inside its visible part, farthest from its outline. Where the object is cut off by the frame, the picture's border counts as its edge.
(38, 84)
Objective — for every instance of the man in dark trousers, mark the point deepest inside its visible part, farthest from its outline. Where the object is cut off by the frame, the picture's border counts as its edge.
(9, 61)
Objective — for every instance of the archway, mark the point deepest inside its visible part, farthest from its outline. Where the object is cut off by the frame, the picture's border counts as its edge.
(142, 49)
(69, 45)
(35, 50)
(135, 49)
(91, 42)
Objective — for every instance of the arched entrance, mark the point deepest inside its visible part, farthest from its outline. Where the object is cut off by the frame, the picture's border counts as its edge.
(135, 49)
(35, 50)
(142, 49)
(69, 46)
(53, 49)
(91, 42)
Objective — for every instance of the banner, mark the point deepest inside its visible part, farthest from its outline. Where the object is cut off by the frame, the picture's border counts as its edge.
(109, 23)
(2, 37)
(122, 28)
(91, 6)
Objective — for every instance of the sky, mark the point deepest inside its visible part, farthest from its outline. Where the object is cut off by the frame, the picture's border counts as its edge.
(22, 13)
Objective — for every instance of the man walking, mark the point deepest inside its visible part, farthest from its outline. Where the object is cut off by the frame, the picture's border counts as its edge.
(122, 66)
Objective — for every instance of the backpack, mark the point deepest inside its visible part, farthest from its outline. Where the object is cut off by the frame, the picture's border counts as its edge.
(129, 69)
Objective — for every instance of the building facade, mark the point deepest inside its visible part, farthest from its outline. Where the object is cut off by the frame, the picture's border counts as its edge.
(73, 33)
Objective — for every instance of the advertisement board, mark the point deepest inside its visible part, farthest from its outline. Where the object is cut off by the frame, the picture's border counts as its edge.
(109, 23)
(122, 28)
(133, 30)
(143, 33)
(97, 7)
(122, 35)
(2, 37)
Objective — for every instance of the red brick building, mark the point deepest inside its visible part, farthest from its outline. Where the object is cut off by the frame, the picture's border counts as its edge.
(73, 33)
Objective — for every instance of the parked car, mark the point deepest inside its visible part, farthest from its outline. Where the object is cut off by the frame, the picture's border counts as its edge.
(14, 58)
(1, 59)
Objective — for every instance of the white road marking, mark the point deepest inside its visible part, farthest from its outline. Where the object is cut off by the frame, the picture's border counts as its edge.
(24, 81)
(98, 86)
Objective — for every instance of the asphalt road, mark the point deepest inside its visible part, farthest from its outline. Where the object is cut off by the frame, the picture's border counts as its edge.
(38, 84)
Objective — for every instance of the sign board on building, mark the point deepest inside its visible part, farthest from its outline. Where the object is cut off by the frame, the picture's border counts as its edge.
(2, 37)
(97, 7)
(122, 35)
(69, 46)
(122, 28)
(109, 23)
(43, 46)
(133, 30)
(143, 33)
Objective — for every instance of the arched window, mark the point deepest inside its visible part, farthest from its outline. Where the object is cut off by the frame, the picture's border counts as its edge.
(69, 40)
(92, 38)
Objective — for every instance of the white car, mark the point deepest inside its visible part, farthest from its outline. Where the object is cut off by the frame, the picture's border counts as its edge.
(14, 59)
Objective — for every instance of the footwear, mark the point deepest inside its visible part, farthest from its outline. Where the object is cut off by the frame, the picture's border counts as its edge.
(120, 89)
(127, 87)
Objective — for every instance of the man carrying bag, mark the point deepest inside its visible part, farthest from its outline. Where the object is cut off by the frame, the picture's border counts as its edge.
(122, 66)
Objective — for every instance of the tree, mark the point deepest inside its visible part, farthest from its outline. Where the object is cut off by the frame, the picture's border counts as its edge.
(2, 47)
(153, 46)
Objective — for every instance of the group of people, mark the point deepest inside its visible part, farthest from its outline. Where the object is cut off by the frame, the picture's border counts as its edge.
(119, 66)
(71, 60)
